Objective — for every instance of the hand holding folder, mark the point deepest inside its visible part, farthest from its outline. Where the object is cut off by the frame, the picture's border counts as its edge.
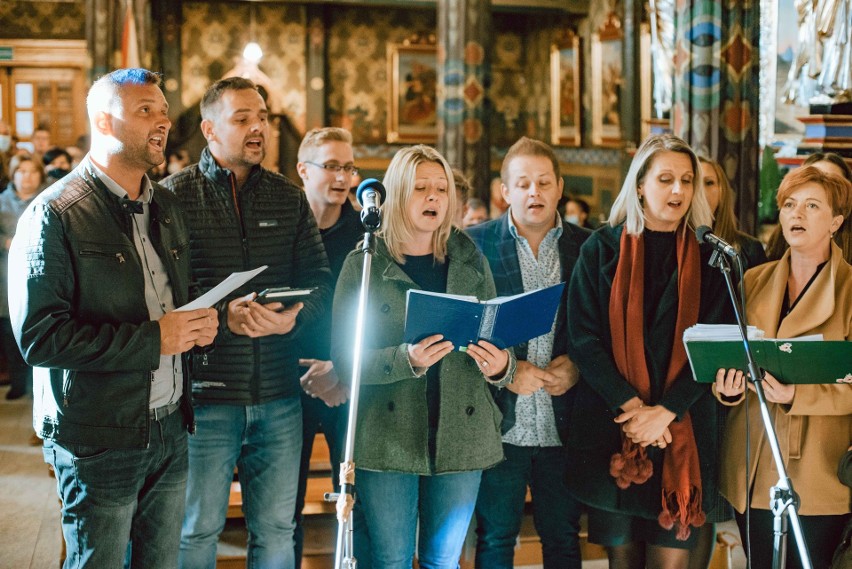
(802, 360)
(504, 321)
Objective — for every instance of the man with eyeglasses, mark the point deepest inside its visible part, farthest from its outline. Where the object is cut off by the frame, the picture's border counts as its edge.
(246, 390)
(326, 167)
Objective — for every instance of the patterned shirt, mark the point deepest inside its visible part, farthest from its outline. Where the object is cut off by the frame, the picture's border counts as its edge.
(535, 425)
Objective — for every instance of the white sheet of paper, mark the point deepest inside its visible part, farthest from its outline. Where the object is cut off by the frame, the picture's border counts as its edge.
(223, 289)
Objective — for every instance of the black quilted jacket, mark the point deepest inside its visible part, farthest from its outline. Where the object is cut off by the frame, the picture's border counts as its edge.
(266, 222)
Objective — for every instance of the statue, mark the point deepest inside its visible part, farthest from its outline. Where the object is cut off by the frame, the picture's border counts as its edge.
(822, 69)
(663, 48)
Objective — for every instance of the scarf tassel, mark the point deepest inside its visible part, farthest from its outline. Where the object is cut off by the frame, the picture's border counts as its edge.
(631, 465)
(682, 509)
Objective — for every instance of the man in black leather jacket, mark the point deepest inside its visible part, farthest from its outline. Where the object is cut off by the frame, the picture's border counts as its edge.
(246, 391)
(97, 267)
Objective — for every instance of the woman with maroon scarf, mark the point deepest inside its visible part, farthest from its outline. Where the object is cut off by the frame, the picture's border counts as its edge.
(642, 445)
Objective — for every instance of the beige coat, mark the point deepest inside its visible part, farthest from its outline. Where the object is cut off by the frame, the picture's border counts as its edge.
(816, 429)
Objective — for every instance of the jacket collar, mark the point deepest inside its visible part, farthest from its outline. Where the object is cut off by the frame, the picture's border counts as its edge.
(222, 176)
(814, 309)
(461, 254)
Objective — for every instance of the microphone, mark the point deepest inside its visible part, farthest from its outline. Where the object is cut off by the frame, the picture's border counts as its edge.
(705, 235)
(370, 194)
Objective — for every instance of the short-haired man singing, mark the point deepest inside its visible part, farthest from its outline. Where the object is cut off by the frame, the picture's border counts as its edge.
(246, 391)
(97, 267)
(530, 247)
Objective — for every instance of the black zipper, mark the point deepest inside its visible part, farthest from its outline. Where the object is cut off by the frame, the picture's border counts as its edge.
(92, 253)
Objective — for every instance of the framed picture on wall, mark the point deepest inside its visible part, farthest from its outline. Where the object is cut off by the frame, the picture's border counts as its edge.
(565, 107)
(413, 104)
(607, 77)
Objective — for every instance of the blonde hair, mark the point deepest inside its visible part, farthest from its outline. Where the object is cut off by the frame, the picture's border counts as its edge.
(399, 180)
(319, 136)
(725, 223)
(627, 207)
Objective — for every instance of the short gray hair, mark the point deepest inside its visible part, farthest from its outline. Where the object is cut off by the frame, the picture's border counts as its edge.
(104, 93)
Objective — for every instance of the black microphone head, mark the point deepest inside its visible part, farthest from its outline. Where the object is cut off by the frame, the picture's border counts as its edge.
(701, 231)
(370, 184)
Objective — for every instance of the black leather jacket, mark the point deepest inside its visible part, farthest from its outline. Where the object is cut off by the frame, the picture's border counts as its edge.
(77, 304)
(268, 221)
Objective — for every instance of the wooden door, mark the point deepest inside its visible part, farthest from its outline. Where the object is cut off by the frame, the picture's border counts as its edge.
(51, 98)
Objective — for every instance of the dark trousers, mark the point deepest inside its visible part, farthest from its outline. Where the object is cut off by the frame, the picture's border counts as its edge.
(20, 374)
(317, 415)
(822, 534)
(500, 509)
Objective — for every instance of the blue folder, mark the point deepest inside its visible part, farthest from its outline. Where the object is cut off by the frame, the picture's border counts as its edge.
(504, 321)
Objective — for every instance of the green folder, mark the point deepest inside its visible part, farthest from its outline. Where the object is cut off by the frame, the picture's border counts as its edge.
(790, 361)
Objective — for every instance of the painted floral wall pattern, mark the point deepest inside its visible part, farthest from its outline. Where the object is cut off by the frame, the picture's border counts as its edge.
(214, 35)
(42, 20)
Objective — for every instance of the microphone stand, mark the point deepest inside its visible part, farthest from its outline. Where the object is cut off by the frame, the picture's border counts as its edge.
(344, 555)
(784, 501)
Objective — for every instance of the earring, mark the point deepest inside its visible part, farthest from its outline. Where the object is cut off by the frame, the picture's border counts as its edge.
(641, 198)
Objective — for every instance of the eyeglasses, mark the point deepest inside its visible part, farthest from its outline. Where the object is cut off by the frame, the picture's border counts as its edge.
(336, 168)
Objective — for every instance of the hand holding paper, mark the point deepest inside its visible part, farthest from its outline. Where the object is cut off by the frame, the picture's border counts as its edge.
(181, 330)
(231, 283)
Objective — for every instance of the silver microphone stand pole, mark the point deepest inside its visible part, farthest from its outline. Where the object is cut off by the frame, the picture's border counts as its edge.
(783, 499)
(344, 556)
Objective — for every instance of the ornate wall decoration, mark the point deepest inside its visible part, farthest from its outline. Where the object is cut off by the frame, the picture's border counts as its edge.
(413, 70)
(43, 20)
(716, 87)
(214, 35)
(565, 108)
(359, 85)
(520, 89)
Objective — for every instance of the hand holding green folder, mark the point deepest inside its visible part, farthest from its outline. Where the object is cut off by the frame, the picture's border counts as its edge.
(796, 360)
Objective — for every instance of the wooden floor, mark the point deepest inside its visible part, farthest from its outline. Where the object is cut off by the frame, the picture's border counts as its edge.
(29, 508)
(29, 512)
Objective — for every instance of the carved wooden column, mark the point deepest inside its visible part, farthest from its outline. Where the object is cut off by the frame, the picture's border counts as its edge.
(103, 35)
(464, 73)
(167, 51)
(316, 52)
(631, 112)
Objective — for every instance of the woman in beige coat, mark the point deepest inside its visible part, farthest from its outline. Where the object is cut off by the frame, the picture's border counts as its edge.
(808, 291)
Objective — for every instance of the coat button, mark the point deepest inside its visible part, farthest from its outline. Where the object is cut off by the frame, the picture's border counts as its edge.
(388, 369)
(469, 411)
(390, 406)
(385, 308)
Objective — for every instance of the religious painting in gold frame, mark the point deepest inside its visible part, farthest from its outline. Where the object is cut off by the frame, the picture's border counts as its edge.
(607, 77)
(565, 107)
(413, 102)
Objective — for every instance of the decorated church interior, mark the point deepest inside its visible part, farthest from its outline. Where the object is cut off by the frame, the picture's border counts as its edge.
(754, 86)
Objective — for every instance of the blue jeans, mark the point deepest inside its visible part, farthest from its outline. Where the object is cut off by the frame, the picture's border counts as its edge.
(500, 508)
(392, 502)
(264, 442)
(115, 497)
(332, 420)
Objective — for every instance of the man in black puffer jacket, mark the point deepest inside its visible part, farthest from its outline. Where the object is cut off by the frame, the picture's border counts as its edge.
(246, 390)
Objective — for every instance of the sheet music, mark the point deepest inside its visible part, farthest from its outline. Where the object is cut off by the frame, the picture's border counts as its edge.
(231, 283)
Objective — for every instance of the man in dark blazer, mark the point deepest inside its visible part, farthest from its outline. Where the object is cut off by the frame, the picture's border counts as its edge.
(528, 248)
